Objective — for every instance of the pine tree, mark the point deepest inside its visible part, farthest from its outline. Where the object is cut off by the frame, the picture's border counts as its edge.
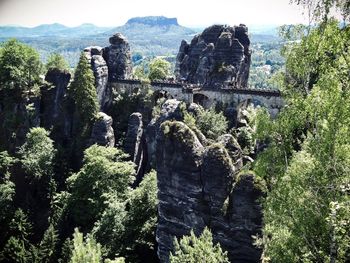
(87, 251)
(84, 91)
(192, 249)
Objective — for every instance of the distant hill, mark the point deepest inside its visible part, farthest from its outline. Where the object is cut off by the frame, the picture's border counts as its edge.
(56, 29)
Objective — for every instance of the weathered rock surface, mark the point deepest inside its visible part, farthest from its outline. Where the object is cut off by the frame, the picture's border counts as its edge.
(118, 57)
(53, 96)
(135, 145)
(99, 67)
(218, 56)
(17, 116)
(102, 131)
(133, 136)
(179, 183)
(245, 214)
(198, 186)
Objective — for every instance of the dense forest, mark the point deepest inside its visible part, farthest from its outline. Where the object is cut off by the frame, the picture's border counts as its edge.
(71, 199)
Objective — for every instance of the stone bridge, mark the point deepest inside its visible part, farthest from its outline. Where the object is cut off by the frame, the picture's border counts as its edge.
(207, 97)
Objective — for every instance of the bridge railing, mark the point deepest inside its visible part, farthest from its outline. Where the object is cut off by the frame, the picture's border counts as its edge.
(188, 87)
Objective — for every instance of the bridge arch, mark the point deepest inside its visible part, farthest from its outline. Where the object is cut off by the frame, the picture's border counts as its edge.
(202, 100)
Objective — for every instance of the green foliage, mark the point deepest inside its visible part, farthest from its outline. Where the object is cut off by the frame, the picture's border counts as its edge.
(85, 251)
(37, 153)
(140, 72)
(84, 91)
(211, 123)
(56, 61)
(20, 67)
(159, 69)
(320, 10)
(128, 228)
(6, 161)
(125, 103)
(7, 192)
(17, 247)
(48, 245)
(307, 162)
(192, 249)
(104, 173)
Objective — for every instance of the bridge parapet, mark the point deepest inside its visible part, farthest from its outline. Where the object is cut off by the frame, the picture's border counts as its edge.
(208, 97)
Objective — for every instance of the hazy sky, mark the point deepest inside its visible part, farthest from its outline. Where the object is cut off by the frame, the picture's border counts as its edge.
(117, 12)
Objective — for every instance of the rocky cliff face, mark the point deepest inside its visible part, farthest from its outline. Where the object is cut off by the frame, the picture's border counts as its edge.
(99, 67)
(135, 145)
(202, 186)
(118, 58)
(219, 56)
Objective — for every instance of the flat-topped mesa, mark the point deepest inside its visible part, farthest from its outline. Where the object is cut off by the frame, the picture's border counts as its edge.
(219, 56)
(154, 21)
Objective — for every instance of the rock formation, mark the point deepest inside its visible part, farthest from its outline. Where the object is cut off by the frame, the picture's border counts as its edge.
(99, 67)
(109, 64)
(133, 136)
(102, 131)
(218, 56)
(201, 186)
(53, 96)
(135, 145)
(118, 57)
(170, 111)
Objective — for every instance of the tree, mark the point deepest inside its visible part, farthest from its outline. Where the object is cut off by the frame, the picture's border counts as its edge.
(37, 153)
(84, 91)
(56, 61)
(47, 246)
(307, 162)
(192, 249)
(159, 69)
(105, 173)
(87, 251)
(128, 228)
(20, 67)
(320, 10)
(17, 247)
(6, 161)
(211, 123)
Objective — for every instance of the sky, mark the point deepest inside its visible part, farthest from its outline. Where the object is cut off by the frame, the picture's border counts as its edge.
(190, 13)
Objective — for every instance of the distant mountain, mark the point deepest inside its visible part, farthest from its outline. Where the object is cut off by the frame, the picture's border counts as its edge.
(56, 29)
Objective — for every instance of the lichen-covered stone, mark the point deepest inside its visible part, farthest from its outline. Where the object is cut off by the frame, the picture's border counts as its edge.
(170, 110)
(179, 182)
(198, 186)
